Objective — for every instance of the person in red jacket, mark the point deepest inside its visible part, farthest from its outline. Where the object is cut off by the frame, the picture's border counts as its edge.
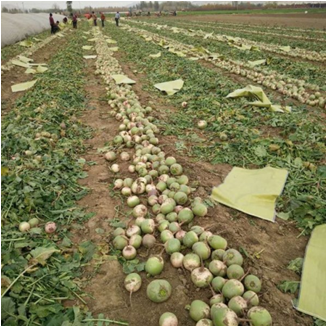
(74, 19)
(103, 17)
(52, 24)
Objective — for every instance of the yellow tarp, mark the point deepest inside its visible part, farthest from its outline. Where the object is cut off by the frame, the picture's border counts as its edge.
(170, 87)
(155, 55)
(312, 299)
(122, 79)
(22, 86)
(252, 191)
(257, 93)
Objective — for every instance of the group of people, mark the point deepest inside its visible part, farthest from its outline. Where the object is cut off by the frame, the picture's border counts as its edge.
(55, 25)
(103, 18)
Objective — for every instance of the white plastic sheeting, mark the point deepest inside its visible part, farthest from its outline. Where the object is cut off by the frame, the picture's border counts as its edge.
(16, 27)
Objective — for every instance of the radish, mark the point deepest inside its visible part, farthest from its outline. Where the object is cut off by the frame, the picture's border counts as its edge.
(259, 317)
(204, 236)
(238, 305)
(190, 238)
(252, 283)
(33, 222)
(120, 242)
(133, 201)
(129, 252)
(132, 230)
(191, 261)
(176, 259)
(149, 241)
(172, 245)
(232, 256)
(140, 210)
(198, 230)
(135, 241)
(50, 227)
(204, 322)
(110, 156)
(217, 298)
(199, 310)
(217, 242)
(176, 169)
(172, 217)
(201, 277)
(251, 298)
(202, 250)
(235, 272)
(118, 231)
(218, 254)
(166, 235)
(148, 226)
(232, 288)
(24, 226)
(163, 225)
(218, 283)
(199, 209)
(185, 215)
(168, 319)
(218, 268)
(221, 315)
(154, 265)
(159, 290)
(133, 283)
(180, 235)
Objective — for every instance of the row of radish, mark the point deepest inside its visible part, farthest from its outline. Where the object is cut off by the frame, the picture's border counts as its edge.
(160, 190)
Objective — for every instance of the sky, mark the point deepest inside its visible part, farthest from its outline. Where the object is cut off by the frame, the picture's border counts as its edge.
(61, 4)
(77, 4)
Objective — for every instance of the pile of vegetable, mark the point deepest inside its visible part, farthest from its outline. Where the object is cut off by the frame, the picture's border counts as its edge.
(163, 208)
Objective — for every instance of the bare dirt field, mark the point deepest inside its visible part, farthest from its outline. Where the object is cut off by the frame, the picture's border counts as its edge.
(307, 21)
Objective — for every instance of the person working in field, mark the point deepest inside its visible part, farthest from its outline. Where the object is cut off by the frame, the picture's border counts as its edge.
(52, 24)
(103, 18)
(94, 16)
(74, 19)
(57, 27)
(117, 17)
(65, 20)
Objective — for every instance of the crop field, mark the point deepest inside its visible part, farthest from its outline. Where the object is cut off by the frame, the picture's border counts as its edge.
(108, 216)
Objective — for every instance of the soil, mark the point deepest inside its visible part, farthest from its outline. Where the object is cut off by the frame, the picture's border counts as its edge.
(305, 21)
(270, 246)
(16, 75)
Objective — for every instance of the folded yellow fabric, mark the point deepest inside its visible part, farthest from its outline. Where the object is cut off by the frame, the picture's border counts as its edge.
(257, 93)
(122, 79)
(252, 191)
(170, 87)
(312, 299)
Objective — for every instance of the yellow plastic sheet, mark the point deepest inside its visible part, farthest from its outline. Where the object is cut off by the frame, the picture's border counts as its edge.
(170, 87)
(22, 86)
(157, 55)
(252, 191)
(257, 93)
(312, 299)
(90, 57)
(122, 79)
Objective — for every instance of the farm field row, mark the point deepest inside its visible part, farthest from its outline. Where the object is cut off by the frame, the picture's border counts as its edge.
(255, 34)
(243, 42)
(81, 151)
(286, 84)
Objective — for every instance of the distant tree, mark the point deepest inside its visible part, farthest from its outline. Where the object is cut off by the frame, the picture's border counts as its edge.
(55, 7)
(69, 6)
(4, 9)
(143, 5)
(156, 5)
(150, 5)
